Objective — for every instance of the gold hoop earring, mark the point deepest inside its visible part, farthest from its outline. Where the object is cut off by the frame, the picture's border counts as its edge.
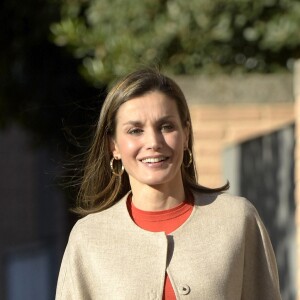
(113, 170)
(190, 158)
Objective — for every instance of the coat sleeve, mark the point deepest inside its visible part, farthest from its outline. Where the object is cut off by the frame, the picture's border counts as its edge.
(260, 279)
(72, 281)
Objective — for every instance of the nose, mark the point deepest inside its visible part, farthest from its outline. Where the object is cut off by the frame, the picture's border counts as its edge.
(154, 140)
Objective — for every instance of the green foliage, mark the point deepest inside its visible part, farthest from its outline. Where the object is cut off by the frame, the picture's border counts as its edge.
(186, 37)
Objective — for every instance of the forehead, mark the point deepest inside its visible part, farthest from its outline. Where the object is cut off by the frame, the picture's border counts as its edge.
(153, 105)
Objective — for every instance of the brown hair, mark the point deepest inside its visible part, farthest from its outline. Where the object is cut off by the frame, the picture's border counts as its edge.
(101, 189)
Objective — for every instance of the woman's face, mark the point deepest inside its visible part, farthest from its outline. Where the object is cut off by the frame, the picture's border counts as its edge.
(150, 139)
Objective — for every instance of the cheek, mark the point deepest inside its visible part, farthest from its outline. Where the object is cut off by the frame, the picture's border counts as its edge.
(127, 146)
(175, 141)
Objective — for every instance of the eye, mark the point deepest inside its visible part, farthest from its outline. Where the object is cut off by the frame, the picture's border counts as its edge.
(167, 127)
(135, 131)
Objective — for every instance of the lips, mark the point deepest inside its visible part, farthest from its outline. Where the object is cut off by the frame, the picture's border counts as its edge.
(153, 160)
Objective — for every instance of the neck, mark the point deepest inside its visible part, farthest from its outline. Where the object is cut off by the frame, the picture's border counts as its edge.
(155, 198)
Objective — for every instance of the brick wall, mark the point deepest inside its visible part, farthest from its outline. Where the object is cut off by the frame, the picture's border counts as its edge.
(216, 126)
(229, 109)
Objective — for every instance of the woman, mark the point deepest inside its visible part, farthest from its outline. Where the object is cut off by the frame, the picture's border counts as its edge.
(150, 231)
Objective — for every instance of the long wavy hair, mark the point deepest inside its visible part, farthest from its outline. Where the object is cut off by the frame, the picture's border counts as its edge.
(99, 188)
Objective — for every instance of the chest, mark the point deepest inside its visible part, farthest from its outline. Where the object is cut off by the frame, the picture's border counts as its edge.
(203, 264)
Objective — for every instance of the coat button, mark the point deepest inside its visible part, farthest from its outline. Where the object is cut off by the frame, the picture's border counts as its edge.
(184, 289)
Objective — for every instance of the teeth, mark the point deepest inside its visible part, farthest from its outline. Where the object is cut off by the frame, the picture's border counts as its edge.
(153, 160)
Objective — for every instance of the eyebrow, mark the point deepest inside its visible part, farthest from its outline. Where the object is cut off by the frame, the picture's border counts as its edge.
(139, 123)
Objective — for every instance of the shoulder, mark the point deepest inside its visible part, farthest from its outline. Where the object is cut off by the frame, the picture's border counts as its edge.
(96, 225)
(225, 203)
(231, 213)
(227, 210)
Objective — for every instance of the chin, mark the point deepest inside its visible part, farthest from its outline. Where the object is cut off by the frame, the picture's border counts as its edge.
(158, 178)
(157, 181)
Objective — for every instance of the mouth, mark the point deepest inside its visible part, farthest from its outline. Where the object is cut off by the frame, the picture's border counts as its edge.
(153, 160)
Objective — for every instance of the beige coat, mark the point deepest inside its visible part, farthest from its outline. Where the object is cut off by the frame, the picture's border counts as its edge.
(222, 252)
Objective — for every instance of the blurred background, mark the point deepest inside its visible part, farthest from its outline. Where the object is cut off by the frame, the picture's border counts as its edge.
(237, 63)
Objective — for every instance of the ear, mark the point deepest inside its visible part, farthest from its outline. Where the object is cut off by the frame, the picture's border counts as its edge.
(114, 148)
(186, 131)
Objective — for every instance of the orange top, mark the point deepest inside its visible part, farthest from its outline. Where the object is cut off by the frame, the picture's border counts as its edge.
(164, 220)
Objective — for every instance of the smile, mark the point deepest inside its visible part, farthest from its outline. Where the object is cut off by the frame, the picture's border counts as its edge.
(154, 159)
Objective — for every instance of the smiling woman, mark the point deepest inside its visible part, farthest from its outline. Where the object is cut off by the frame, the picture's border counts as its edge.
(150, 231)
(150, 139)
